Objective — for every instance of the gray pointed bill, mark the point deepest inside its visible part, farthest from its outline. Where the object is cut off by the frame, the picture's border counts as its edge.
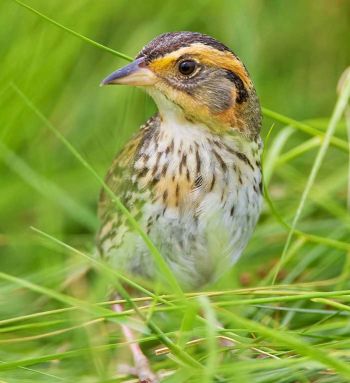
(135, 73)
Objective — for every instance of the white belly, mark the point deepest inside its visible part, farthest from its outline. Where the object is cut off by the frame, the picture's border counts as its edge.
(198, 243)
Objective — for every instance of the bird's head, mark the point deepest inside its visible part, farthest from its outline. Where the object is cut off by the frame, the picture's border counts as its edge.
(197, 78)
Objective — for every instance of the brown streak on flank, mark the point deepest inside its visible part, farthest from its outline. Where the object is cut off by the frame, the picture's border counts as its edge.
(221, 161)
(244, 158)
(165, 168)
(219, 144)
(177, 195)
(155, 169)
(182, 162)
(184, 158)
(143, 172)
(212, 183)
(153, 182)
(173, 194)
(198, 161)
(240, 155)
(165, 195)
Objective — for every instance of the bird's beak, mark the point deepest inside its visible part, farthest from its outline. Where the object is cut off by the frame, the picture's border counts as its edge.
(135, 73)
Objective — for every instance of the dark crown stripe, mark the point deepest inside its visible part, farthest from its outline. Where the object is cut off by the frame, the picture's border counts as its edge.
(172, 41)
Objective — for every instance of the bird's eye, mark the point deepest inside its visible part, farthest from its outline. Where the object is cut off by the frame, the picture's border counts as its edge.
(187, 67)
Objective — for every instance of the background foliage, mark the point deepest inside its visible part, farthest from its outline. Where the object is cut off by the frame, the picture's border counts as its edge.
(295, 51)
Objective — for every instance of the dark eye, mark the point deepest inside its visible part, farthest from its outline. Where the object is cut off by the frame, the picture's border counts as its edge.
(187, 67)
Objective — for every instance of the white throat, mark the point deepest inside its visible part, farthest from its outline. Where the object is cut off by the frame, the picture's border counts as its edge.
(168, 110)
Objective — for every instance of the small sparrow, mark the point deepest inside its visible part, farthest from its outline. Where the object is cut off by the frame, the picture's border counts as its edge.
(191, 176)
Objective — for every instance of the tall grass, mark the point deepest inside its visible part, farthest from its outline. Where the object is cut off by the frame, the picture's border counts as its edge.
(284, 307)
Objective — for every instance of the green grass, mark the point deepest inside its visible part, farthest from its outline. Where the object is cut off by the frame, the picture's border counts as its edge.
(284, 306)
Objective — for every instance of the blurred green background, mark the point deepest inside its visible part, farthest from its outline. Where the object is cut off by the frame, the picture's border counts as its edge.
(295, 52)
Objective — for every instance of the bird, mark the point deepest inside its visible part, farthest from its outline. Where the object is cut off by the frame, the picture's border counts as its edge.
(191, 176)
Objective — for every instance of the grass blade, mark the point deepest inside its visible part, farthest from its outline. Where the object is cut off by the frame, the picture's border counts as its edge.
(160, 262)
(335, 141)
(48, 189)
(295, 343)
(338, 111)
(74, 33)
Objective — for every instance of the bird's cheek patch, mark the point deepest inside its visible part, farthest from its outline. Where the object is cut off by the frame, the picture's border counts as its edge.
(190, 104)
(216, 98)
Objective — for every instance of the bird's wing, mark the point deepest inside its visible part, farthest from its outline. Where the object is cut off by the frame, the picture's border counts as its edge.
(119, 180)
